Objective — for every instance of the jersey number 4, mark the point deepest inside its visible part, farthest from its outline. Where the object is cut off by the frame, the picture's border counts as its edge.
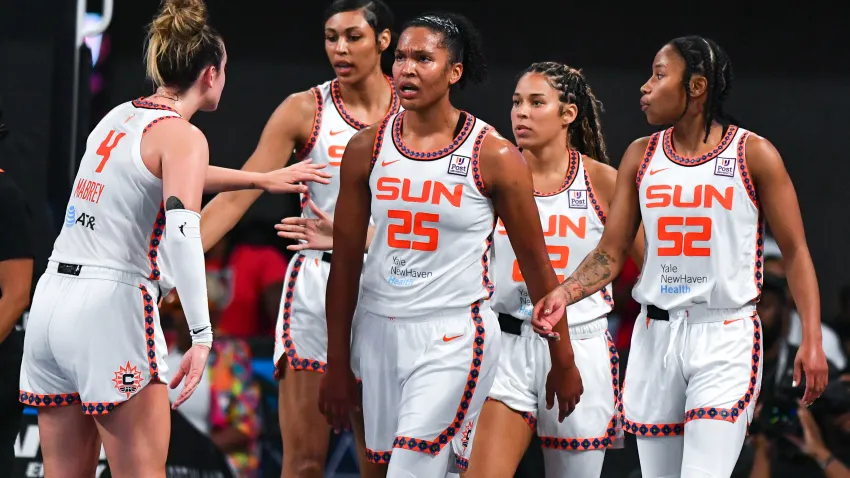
(105, 149)
(683, 242)
(558, 255)
(413, 224)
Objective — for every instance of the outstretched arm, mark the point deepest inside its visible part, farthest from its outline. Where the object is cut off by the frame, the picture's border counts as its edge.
(778, 200)
(288, 126)
(605, 262)
(278, 181)
(314, 233)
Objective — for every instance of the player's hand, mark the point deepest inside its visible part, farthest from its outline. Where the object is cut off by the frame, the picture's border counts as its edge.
(317, 233)
(192, 368)
(548, 311)
(563, 384)
(339, 397)
(287, 180)
(811, 360)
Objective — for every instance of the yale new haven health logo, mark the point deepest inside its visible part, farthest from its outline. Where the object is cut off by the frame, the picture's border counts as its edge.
(724, 167)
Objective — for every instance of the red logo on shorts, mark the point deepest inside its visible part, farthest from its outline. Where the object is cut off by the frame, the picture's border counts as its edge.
(128, 380)
(465, 435)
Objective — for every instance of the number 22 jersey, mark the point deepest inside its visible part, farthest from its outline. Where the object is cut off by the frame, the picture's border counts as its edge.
(704, 228)
(433, 224)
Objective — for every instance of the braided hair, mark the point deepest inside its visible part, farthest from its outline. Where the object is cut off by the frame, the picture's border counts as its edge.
(586, 131)
(461, 39)
(704, 57)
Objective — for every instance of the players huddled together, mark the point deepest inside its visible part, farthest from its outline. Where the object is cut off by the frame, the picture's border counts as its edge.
(449, 293)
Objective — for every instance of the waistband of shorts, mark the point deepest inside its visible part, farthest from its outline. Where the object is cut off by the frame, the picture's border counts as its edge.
(324, 256)
(436, 315)
(509, 324)
(96, 272)
(697, 314)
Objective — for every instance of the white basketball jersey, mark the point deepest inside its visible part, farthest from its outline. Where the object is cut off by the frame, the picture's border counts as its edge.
(333, 127)
(572, 221)
(115, 217)
(433, 224)
(704, 228)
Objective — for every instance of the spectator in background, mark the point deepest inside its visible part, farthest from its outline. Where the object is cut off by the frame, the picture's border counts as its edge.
(250, 273)
(225, 404)
(832, 346)
(16, 258)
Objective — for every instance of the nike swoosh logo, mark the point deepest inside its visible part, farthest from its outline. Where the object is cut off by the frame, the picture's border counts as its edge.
(181, 229)
(727, 322)
(387, 163)
(449, 339)
(334, 133)
(198, 331)
(657, 171)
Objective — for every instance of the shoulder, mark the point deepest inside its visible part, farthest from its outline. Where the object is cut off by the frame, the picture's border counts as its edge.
(761, 156)
(598, 171)
(183, 134)
(497, 148)
(364, 140)
(297, 109)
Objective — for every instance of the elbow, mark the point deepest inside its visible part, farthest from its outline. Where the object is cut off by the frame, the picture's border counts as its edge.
(18, 301)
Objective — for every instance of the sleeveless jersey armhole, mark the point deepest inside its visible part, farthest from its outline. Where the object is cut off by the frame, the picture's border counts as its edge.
(647, 156)
(317, 125)
(591, 195)
(746, 177)
(379, 141)
(476, 164)
(137, 147)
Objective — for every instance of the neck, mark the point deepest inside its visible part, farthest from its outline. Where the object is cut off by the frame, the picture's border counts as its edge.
(689, 133)
(434, 120)
(370, 92)
(186, 104)
(547, 159)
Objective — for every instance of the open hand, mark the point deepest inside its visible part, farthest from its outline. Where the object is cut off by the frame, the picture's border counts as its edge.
(192, 368)
(316, 233)
(289, 179)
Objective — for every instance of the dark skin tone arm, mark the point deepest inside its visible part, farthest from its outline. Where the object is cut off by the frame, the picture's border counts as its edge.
(15, 282)
(605, 262)
(778, 201)
(509, 182)
(350, 227)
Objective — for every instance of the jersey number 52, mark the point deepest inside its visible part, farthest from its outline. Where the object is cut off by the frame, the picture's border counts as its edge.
(682, 243)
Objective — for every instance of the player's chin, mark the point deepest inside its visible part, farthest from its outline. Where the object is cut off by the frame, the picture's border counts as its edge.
(209, 107)
(656, 119)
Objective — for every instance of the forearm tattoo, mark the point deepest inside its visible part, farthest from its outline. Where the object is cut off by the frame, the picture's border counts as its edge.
(595, 272)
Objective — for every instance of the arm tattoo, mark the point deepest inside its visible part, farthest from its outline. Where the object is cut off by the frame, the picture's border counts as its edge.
(595, 272)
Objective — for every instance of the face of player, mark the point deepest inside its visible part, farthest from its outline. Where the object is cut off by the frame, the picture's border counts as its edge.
(214, 79)
(422, 70)
(538, 117)
(351, 46)
(663, 97)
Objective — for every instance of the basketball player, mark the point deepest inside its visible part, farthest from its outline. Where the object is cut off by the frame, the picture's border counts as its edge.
(425, 341)
(556, 123)
(93, 337)
(702, 188)
(319, 122)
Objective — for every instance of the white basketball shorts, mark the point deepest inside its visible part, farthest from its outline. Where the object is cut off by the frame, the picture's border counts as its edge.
(93, 338)
(302, 330)
(425, 380)
(520, 384)
(689, 364)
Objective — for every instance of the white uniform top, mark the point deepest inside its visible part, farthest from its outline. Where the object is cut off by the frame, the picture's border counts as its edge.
(333, 127)
(115, 216)
(433, 224)
(704, 229)
(572, 220)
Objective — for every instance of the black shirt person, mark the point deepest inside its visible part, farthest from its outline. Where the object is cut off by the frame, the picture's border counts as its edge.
(16, 259)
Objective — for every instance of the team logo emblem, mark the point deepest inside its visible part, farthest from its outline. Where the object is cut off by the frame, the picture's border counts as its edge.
(578, 199)
(459, 165)
(128, 380)
(466, 435)
(724, 167)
